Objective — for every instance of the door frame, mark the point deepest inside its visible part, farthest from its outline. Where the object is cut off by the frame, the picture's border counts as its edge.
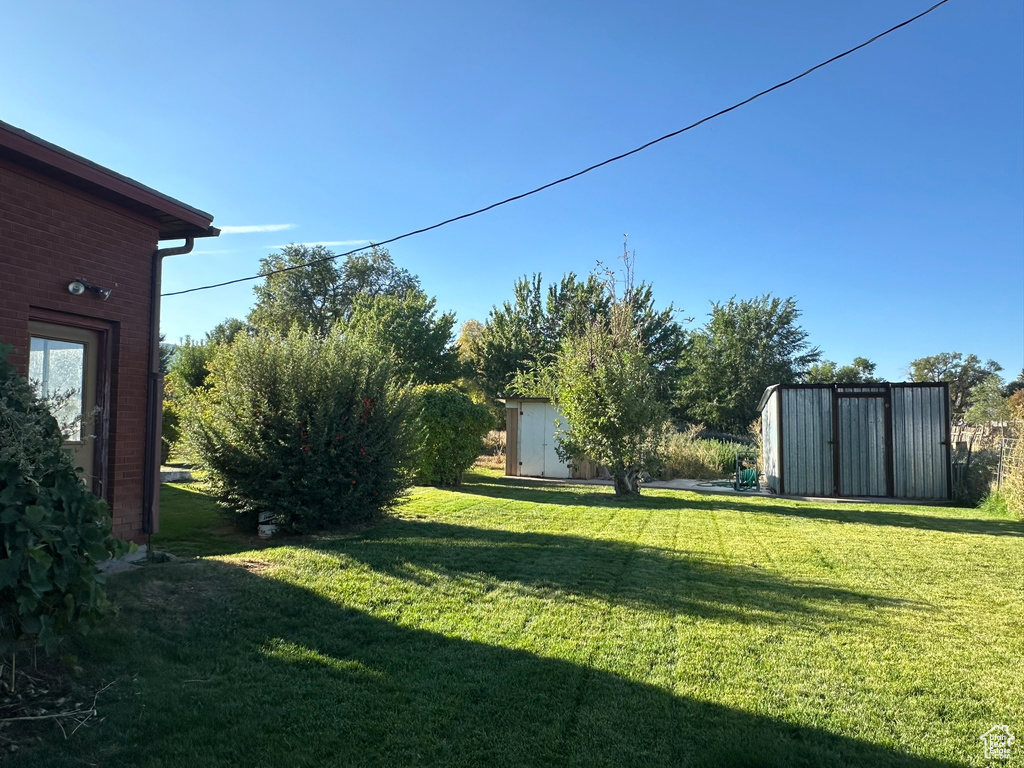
(104, 331)
(887, 438)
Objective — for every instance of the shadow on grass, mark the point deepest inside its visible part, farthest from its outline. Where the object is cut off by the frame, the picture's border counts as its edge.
(572, 495)
(221, 666)
(609, 570)
(192, 524)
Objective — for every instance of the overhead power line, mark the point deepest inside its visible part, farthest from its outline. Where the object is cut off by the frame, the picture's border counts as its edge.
(588, 169)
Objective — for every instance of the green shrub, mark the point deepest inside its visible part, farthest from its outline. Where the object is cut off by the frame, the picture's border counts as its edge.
(451, 433)
(685, 455)
(973, 473)
(995, 504)
(308, 431)
(54, 530)
(170, 432)
(190, 365)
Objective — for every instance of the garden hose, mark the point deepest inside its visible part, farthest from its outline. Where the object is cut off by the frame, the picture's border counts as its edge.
(746, 478)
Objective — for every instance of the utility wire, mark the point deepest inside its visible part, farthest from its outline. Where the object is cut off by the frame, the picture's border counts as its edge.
(564, 179)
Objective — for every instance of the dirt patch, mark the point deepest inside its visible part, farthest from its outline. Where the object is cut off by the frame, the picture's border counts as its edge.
(253, 566)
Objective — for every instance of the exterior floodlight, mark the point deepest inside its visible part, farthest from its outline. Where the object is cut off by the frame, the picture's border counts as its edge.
(80, 286)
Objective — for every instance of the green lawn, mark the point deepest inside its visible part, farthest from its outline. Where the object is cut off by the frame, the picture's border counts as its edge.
(505, 624)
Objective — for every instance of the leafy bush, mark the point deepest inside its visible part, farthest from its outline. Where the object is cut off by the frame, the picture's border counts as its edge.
(307, 431)
(995, 504)
(451, 433)
(973, 473)
(170, 432)
(54, 530)
(190, 365)
(685, 455)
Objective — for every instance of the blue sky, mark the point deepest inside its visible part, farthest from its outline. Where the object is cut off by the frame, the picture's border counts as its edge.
(886, 192)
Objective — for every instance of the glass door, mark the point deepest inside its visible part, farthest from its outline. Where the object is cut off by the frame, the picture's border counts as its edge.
(63, 367)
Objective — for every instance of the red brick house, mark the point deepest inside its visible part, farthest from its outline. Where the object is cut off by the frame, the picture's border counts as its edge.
(80, 304)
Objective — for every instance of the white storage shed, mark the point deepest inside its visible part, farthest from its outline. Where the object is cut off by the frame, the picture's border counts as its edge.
(530, 426)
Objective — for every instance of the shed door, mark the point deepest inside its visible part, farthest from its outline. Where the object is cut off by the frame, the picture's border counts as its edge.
(862, 445)
(553, 466)
(533, 428)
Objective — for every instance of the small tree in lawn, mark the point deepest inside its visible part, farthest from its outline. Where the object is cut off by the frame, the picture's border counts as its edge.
(607, 388)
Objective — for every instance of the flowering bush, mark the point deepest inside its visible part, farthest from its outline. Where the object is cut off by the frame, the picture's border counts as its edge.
(307, 432)
(54, 530)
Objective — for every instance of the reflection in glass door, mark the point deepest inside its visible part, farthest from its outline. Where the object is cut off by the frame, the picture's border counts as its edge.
(63, 366)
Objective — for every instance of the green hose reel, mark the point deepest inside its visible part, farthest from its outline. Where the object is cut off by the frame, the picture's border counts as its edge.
(746, 474)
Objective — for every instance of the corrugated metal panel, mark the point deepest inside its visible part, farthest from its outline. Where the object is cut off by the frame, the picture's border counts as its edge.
(862, 446)
(806, 420)
(770, 441)
(920, 428)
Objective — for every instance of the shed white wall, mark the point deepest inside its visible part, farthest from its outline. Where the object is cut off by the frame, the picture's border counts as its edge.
(770, 441)
(537, 456)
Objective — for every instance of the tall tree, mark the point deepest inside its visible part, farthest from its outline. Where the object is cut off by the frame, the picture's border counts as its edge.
(861, 370)
(962, 373)
(1014, 386)
(316, 291)
(606, 386)
(530, 329)
(744, 347)
(419, 339)
(470, 344)
(986, 403)
(226, 330)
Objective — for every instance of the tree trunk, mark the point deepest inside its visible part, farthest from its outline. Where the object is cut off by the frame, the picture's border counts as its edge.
(627, 481)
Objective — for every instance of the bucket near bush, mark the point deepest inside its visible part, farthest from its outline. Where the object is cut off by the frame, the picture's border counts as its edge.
(267, 527)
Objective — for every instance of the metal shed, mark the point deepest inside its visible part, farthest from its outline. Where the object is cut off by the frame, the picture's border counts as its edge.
(876, 439)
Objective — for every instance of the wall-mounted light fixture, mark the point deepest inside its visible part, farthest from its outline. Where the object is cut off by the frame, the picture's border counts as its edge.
(80, 286)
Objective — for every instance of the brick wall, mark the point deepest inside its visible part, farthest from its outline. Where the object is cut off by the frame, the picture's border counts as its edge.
(51, 234)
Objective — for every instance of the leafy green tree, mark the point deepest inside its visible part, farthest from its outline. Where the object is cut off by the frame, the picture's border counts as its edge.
(419, 340)
(317, 292)
(226, 330)
(607, 387)
(962, 373)
(470, 344)
(986, 403)
(166, 355)
(861, 370)
(529, 330)
(512, 339)
(744, 347)
(1014, 386)
(189, 366)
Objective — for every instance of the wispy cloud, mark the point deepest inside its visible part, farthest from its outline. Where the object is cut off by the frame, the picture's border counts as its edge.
(255, 228)
(324, 243)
